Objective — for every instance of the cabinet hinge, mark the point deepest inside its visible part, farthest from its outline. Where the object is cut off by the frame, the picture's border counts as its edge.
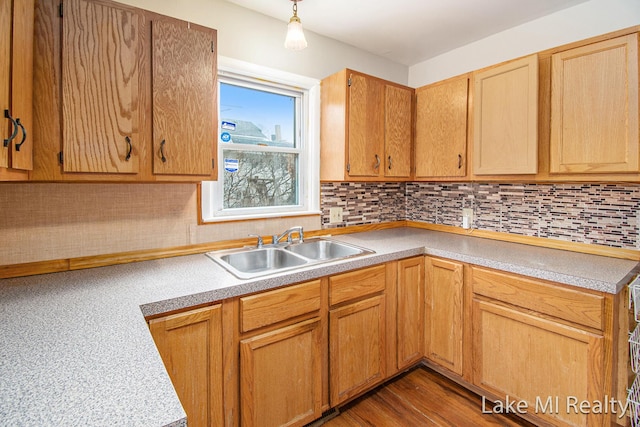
(349, 82)
(60, 10)
(61, 158)
(213, 163)
(348, 167)
(213, 47)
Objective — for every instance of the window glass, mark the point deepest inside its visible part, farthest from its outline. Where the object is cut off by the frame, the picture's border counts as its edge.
(261, 179)
(268, 154)
(257, 117)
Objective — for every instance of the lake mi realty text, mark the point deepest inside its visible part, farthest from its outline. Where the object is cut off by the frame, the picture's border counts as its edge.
(555, 405)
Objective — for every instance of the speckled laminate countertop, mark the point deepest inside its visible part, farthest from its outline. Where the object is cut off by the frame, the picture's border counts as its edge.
(75, 348)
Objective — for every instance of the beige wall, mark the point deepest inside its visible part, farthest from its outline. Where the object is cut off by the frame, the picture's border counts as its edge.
(55, 221)
(256, 38)
(576, 23)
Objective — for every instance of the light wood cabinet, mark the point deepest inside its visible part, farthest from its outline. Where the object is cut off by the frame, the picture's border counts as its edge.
(136, 92)
(282, 370)
(184, 108)
(190, 344)
(365, 128)
(16, 88)
(410, 311)
(444, 313)
(100, 94)
(398, 131)
(441, 129)
(281, 376)
(594, 108)
(288, 354)
(534, 341)
(505, 118)
(357, 332)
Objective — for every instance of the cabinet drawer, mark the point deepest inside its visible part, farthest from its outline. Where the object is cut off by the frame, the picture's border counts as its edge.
(572, 305)
(356, 284)
(275, 306)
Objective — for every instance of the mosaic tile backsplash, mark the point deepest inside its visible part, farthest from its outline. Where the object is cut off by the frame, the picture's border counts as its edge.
(603, 214)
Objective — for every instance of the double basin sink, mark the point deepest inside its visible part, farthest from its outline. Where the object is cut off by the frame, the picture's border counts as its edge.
(247, 263)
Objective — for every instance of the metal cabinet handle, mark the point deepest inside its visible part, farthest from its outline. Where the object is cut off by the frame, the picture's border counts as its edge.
(390, 163)
(459, 161)
(162, 157)
(377, 162)
(129, 148)
(24, 135)
(15, 128)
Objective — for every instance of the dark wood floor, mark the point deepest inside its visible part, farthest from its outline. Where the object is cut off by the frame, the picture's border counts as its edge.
(420, 397)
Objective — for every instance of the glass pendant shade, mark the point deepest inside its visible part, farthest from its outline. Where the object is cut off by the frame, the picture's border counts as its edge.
(295, 36)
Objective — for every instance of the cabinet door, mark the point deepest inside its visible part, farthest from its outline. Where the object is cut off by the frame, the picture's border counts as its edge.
(538, 360)
(184, 98)
(356, 348)
(190, 344)
(410, 311)
(5, 79)
(594, 108)
(444, 313)
(505, 126)
(441, 129)
(100, 105)
(16, 85)
(281, 376)
(398, 118)
(366, 125)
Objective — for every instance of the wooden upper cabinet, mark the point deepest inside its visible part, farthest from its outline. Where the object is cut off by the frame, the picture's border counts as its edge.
(365, 128)
(131, 87)
(184, 98)
(594, 108)
(100, 95)
(441, 129)
(16, 88)
(398, 119)
(505, 125)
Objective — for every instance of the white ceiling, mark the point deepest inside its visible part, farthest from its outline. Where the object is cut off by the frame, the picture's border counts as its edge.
(408, 31)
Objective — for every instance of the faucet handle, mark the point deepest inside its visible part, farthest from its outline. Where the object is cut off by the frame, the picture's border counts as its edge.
(260, 242)
(297, 228)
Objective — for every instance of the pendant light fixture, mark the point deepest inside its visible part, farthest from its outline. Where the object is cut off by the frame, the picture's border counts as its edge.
(295, 36)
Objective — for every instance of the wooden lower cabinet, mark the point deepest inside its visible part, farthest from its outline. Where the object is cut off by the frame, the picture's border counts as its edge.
(281, 376)
(293, 352)
(444, 314)
(525, 348)
(547, 364)
(410, 312)
(356, 348)
(190, 344)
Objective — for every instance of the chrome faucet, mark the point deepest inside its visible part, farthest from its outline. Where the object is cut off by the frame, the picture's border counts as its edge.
(260, 243)
(276, 239)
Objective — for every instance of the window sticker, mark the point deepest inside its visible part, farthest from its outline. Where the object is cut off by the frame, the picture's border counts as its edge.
(225, 136)
(228, 125)
(231, 165)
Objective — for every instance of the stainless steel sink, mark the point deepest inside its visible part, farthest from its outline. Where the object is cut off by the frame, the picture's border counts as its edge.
(325, 249)
(252, 262)
(247, 263)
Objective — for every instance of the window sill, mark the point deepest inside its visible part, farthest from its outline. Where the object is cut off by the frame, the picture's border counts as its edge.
(236, 218)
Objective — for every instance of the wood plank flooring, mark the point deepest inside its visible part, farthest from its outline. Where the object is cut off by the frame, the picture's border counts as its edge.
(420, 397)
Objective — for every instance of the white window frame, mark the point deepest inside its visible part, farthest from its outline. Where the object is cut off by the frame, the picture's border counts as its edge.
(230, 70)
